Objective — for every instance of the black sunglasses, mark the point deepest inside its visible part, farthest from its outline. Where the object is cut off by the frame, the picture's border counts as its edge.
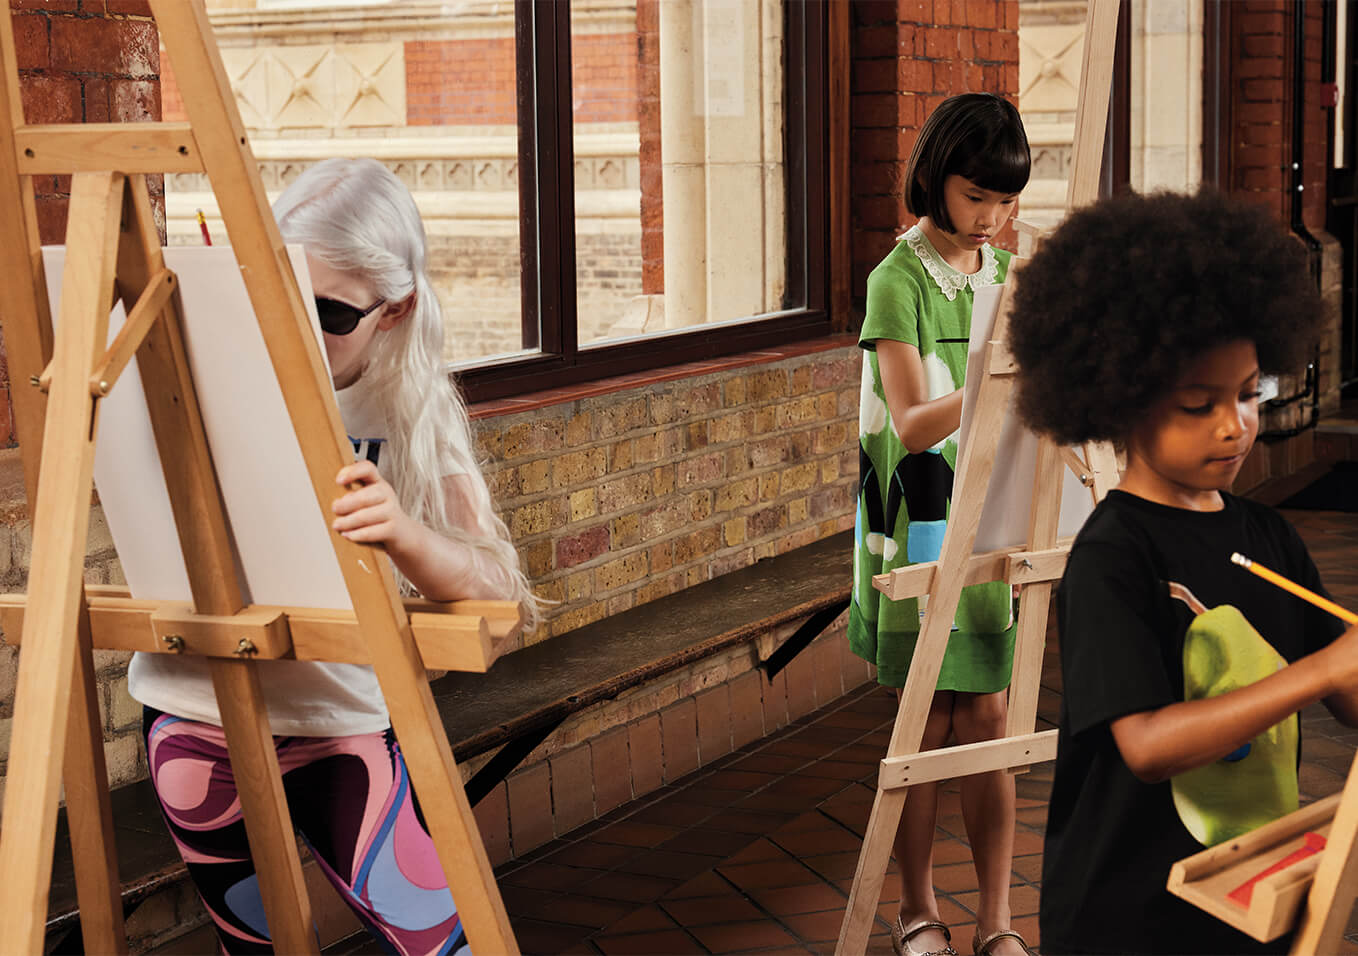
(341, 318)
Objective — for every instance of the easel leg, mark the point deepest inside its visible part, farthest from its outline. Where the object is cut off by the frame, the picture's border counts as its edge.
(97, 886)
(871, 872)
(1335, 887)
(1030, 635)
(61, 524)
(273, 846)
(1025, 685)
(28, 344)
(452, 826)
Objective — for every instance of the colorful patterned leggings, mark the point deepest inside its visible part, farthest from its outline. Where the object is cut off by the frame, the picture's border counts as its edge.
(351, 800)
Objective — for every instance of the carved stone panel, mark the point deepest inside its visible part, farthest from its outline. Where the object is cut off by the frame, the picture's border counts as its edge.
(1049, 66)
(319, 86)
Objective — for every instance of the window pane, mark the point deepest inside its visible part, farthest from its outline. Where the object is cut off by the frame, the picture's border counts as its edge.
(680, 170)
(430, 94)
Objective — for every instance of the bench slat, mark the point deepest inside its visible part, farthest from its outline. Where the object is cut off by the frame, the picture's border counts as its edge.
(547, 681)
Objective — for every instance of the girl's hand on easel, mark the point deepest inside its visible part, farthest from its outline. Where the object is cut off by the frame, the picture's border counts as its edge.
(369, 514)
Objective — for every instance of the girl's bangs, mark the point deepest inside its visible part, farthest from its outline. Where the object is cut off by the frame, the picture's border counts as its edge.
(1001, 165)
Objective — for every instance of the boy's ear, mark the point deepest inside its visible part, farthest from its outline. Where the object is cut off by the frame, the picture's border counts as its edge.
(396, 313)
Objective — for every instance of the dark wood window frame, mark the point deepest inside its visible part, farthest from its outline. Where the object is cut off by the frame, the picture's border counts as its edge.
(1217, 118)
(547, 216)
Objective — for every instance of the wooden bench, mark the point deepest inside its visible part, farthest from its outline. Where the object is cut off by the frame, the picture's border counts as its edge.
(529, 693)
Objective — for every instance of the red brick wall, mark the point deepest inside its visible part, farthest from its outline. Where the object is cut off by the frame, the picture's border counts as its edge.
(907, 57)
(83, 61)
(171, 102)
(604, 77)
(456, 82)
(1316, 130)
(1261, 85)
(460, 82)
(1260, 132)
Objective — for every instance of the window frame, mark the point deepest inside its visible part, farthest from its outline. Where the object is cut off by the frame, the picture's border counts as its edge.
(542, 31)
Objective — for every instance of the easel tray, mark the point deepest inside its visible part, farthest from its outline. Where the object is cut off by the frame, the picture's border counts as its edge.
(1280, 857)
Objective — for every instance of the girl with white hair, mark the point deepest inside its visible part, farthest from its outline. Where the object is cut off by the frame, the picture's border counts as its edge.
(420, 495)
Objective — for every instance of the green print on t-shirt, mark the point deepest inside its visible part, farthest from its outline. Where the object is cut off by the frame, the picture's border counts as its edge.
(1256, 783)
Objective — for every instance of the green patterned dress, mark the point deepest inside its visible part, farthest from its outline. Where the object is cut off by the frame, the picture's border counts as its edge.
(903, 499)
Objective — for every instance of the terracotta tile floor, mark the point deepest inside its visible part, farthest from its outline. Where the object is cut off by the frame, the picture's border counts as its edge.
(756, 852)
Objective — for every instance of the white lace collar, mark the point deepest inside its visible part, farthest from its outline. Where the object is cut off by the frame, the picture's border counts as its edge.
(948, 279)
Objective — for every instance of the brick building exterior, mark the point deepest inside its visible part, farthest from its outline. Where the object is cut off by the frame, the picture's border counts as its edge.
(644, 487)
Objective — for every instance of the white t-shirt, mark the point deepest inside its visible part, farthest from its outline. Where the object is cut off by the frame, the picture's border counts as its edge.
(304, 698)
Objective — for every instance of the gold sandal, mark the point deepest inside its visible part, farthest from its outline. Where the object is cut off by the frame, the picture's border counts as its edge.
(901, 937)
(981, 947)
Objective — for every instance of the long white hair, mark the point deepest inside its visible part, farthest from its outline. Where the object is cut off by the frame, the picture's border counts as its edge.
(357, 217)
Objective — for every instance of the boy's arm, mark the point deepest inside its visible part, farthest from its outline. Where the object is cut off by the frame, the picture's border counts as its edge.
(1343, 706)
(1158, 744)
(920, 422)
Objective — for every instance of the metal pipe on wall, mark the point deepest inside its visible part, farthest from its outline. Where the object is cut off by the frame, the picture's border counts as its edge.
(1297, 157)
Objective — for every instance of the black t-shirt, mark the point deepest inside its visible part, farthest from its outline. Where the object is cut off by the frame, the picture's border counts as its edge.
(1112, 839)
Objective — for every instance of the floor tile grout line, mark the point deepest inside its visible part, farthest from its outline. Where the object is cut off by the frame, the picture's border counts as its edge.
(756, 904)
(819, 879)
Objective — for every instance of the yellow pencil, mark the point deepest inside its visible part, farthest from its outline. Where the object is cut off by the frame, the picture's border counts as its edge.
(1274, 577)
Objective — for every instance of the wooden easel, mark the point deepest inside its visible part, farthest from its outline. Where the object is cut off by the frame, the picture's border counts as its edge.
(1034, 567)
(113, 251)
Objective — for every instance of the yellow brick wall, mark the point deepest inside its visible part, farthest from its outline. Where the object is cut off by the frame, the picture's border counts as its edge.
(622, 498)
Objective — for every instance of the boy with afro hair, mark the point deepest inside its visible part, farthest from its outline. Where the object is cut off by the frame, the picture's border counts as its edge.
(1148, 321)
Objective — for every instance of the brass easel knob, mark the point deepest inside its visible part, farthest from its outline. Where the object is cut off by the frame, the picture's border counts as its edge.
(245, 648)
(1087, 480)
(174, 642)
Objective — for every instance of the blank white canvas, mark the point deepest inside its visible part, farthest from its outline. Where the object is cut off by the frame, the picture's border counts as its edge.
(1009, 499)
(281, 536)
